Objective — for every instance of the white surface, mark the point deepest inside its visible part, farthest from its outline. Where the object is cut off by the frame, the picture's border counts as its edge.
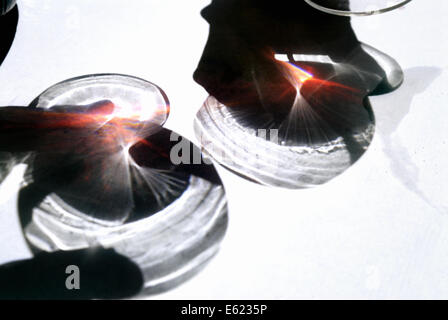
(380, 230)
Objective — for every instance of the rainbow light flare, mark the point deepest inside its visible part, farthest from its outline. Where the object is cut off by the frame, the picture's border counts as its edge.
(299, 73)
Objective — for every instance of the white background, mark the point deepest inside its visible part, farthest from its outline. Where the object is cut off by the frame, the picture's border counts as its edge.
(380, 230)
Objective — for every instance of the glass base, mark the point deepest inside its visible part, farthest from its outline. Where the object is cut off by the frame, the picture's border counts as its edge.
(328, 127)
(109, 186)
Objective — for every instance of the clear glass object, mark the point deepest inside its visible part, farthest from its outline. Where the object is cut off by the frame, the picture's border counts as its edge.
(356, 7)
(143, 104)
(116, 186)
(328, 127)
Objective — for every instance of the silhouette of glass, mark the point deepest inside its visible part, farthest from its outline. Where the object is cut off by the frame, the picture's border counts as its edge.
(356, 7)
(140, 102)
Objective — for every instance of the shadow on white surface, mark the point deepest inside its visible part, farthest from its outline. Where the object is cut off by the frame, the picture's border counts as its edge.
(403, 167)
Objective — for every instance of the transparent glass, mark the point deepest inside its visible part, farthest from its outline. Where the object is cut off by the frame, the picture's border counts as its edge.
(101, 173)
(328, 126)
(356, 7)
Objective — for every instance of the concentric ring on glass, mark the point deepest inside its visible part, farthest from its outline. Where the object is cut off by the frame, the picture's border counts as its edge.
(102, 179)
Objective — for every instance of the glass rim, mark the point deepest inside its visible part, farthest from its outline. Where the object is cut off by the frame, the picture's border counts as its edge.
(356, 13)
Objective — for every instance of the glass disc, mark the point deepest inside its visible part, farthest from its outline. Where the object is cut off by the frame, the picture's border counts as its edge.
(104, 172)
(356, 7)
(167, 218)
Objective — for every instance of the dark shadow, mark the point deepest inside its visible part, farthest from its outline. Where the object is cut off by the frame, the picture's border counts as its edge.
(104, 274)
(239, 67)
(8, 26)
